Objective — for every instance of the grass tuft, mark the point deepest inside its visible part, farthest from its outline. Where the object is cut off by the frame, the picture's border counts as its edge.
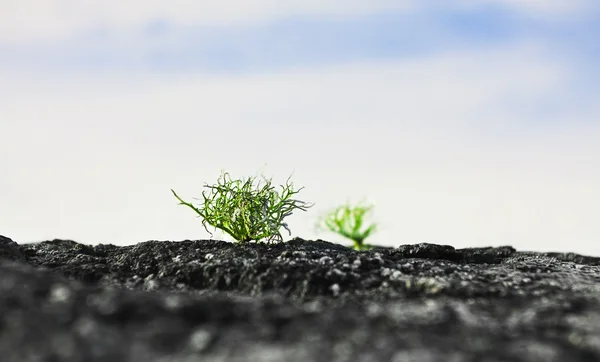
(348, 221)
(245, 211)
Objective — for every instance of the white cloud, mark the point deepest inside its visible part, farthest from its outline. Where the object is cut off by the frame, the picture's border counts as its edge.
(50, 20)
(56, 20)
(93, 158)
(542, 8)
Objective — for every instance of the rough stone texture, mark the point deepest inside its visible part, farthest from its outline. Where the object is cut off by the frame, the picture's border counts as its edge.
(209, 300)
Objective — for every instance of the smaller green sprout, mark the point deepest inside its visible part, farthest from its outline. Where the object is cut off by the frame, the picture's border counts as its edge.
(348, 221)
(247, 214)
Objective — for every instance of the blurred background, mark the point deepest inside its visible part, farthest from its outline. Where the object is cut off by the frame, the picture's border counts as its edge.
(466, 123)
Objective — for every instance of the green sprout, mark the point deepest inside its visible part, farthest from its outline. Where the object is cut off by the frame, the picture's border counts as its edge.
(348, 221)
(247, 214)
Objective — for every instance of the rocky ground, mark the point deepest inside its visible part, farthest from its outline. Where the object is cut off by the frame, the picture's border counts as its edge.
(302, 300)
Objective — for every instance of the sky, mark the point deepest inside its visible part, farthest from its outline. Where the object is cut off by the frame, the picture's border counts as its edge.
(464, 123)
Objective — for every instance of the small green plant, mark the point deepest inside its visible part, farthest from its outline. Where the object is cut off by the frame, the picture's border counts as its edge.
(348, 221)
(246, 213)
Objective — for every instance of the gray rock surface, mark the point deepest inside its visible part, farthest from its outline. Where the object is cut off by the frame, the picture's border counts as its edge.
(209, 300)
